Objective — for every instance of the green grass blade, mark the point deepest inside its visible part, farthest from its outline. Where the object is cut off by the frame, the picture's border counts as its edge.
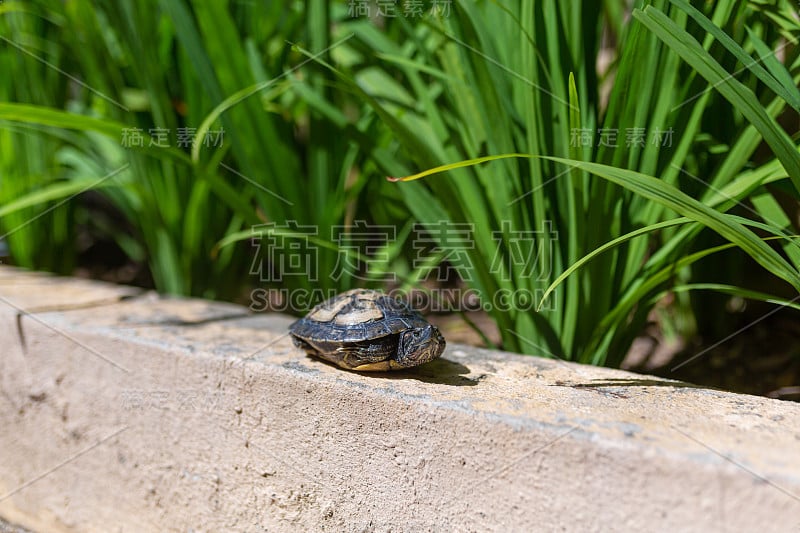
(47, 116)
(669, 197)
(605, 247)
(452, 166)
(737, 94)
(672, 198)
(55, 191)
(734, 291)
(781, 84)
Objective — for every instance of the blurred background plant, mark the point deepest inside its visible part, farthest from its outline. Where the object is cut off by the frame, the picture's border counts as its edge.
(299, 110)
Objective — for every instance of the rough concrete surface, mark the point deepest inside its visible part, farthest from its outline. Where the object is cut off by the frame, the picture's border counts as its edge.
(123, 411)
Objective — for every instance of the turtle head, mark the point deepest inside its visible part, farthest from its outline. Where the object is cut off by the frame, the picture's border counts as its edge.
(419, 345)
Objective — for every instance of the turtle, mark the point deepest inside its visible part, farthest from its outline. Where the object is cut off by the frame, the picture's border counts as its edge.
(367, 330)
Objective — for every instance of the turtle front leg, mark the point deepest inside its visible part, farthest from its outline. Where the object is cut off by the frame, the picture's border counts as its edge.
(363, 354)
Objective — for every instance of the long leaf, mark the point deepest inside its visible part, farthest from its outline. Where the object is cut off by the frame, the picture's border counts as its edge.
(737, 94)
(672, 198)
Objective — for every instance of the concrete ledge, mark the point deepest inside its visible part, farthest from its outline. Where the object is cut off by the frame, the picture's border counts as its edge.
(123, 411)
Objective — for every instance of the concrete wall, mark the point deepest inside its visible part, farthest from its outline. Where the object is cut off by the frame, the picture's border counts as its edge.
(122, 411)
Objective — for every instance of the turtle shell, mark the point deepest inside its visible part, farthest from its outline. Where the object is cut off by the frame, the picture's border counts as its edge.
(366, 330)
(356, 316)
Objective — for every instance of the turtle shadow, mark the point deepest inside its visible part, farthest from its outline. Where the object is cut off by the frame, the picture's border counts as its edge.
(441, 371)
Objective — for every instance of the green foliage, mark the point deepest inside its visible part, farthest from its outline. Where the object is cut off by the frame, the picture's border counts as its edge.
(495, 79)
(124, 92)
(317, 107)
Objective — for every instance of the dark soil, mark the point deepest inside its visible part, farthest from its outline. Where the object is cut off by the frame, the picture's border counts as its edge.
(761, 356)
